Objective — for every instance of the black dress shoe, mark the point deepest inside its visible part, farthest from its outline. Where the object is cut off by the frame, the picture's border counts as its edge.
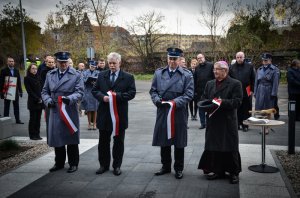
(245, 129)
(55, 168)
(162, 171)
(234, 179)
(19, 122)
(72, 169)
(178, 174)
(117, 171)
(101, 170)
(215, 176)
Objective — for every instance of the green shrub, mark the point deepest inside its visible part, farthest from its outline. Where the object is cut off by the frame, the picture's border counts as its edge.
(143, 76)
(6, 145)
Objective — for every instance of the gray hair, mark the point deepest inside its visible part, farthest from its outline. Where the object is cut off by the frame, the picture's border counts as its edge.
(222, 64)
(114, 56)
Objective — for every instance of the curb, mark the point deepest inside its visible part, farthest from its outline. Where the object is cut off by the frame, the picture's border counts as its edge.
(283, 175)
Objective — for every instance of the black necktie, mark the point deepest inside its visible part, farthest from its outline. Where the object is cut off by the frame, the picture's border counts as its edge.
(113, 76)
(171, 74)
(61, 75)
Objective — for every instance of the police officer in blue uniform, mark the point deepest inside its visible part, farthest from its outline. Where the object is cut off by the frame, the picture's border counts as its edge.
(63, 81)
(174, 84)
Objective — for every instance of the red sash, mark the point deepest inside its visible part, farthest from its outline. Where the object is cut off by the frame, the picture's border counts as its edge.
(171, 119)
(65, 116)
(114, 112)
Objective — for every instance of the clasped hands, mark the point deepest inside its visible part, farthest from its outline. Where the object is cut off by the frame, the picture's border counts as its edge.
(160, 104)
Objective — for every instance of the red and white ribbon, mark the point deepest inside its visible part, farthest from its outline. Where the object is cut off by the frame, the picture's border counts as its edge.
(171, 119)
(218, 102)
(65, 116)
(114, 112)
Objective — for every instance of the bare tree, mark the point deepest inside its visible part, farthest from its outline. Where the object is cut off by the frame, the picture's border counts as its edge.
(145, 36)
(103, 9)
(210, 18)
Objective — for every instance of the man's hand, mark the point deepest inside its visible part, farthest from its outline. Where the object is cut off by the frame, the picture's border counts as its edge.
(66, 100)
(21, 95)
(106, 99)
(51, 104)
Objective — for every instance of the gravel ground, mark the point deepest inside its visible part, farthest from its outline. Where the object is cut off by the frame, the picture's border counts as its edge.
(291, 166)
(37, 149)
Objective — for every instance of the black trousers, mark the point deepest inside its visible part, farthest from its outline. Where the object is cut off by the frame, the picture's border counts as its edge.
(243, 110)
(104, 148)
(16, 108)
(166, 159)
(72, 152)
(193, 107)
(34, 123)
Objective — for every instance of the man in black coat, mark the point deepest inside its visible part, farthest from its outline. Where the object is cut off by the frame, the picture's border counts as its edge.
(114, 88)
(221, 152)
(245, 73)
(203, 74)
(10, 70)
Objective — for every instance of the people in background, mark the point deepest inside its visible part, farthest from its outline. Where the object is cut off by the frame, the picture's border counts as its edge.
(245, 73)
(293, 79)
(193, 102)
(89, 102)
(203, 74)
(5, 74)
(34, 103)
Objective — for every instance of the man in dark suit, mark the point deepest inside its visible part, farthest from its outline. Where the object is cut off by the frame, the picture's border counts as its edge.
(114, 88)
(10, 70)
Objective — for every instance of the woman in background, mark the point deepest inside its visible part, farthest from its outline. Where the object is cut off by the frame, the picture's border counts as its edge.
(34, 103)
(89, 103)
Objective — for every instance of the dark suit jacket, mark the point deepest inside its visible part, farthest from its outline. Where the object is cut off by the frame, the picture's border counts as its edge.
(6, 72)
(124, 87)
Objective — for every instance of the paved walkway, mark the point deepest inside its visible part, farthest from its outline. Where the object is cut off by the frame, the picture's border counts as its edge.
(141, 160)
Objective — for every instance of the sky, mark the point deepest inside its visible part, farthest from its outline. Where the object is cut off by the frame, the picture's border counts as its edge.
(181, 17)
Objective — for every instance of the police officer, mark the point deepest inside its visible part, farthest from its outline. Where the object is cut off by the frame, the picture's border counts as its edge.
(171, 90)
(63, 89)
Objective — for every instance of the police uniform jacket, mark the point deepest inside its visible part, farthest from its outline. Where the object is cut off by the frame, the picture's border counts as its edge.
(124, 86)
(222, 127)
(89, 102)
(180, 88)
(266, 87)
(70, 85)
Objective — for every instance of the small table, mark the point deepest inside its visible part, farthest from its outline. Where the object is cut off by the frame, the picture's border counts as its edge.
(263, 167)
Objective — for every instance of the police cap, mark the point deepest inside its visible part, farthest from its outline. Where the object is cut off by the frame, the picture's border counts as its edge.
(62, 56)
(174, 52)
(266, 56)
(92, 63)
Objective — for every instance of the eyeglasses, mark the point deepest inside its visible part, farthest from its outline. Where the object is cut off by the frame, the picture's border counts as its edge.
(265, 59)
(173, 58)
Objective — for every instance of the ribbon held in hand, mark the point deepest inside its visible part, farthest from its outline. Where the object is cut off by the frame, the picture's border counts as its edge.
(171, 118)
(114, 112)
(65, 116)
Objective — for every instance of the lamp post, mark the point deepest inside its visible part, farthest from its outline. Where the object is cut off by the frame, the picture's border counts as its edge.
(23, 36)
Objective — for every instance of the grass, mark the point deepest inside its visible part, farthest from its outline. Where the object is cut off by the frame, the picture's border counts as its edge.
(143, 76)
(7, 145)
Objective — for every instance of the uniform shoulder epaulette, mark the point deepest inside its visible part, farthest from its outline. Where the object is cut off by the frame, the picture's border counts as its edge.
(52, 71)
(160, 68)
